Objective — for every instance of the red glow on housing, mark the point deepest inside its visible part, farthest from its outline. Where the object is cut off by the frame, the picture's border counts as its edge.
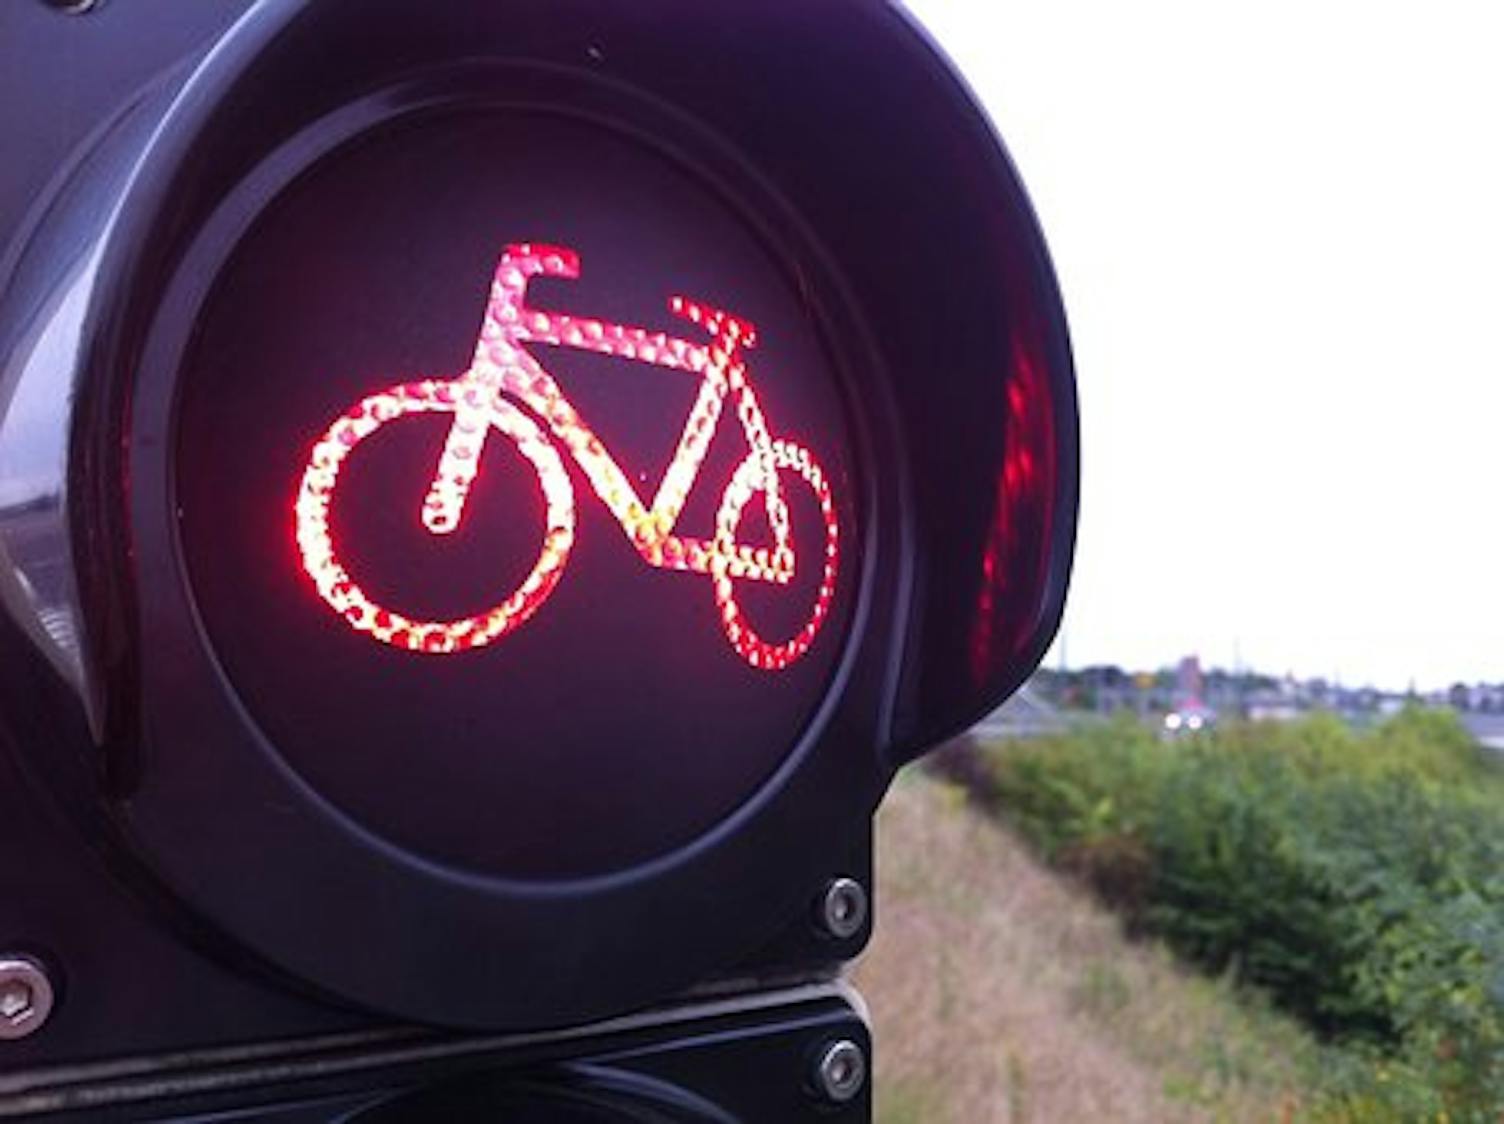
(1015, 556)
(481, 400)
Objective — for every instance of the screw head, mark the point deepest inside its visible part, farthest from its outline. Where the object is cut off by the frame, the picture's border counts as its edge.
(73, 7)
(841, 1072)
(843, 908)
(26, 997)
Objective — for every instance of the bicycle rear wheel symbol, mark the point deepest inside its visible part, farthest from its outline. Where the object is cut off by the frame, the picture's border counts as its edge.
(485, 398)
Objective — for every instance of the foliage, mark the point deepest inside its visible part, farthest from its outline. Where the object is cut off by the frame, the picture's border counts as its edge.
(1355, 878)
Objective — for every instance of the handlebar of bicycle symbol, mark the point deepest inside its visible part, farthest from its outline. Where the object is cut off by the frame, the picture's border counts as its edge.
(484, 399)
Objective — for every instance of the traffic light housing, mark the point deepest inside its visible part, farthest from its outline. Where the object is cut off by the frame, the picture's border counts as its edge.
(491, 495)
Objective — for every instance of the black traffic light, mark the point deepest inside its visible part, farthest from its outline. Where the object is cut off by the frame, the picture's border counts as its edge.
(489, 494)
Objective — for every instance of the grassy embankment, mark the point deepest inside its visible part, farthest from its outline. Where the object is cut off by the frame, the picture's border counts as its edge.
(1001, 993)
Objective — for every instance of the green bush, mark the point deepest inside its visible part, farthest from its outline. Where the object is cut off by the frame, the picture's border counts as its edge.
(1356, 878)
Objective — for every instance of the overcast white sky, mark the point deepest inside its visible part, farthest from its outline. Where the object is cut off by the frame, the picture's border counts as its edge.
(1280, 233)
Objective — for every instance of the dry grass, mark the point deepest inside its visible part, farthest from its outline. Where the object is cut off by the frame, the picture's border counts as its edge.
(1000, 995)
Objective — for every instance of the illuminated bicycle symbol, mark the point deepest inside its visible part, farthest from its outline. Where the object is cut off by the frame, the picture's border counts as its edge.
(481, 401)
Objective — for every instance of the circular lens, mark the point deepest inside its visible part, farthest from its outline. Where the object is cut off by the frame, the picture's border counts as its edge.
(514, 492)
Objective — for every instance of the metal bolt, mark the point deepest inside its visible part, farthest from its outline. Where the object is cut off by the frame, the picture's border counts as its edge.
(25, 997)
(841, 1072)
(843, 908)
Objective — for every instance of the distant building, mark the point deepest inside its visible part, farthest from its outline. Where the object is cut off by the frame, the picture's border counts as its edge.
(1190, 685)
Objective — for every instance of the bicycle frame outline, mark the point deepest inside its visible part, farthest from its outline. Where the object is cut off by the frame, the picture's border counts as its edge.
(481, 399)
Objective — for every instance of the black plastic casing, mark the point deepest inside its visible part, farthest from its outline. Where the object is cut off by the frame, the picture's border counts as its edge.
(837, 124)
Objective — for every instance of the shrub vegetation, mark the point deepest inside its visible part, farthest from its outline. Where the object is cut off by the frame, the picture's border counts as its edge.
(1356, 879)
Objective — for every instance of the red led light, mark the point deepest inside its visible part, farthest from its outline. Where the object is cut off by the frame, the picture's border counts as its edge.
(341, 591)
(753, 649)
(481, 401)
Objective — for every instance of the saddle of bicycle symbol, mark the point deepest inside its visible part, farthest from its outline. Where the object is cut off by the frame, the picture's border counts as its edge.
(488, 399)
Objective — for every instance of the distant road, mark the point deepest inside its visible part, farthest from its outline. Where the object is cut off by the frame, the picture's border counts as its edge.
(1487, 728)
(1025, 715)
